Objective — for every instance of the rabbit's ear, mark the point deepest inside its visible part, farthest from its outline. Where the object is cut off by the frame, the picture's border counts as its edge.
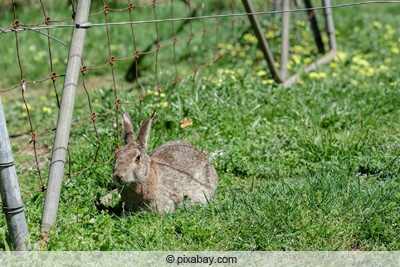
(129, 135)
(144, 132)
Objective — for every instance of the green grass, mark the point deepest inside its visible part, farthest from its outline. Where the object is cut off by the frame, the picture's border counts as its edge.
(310, 167)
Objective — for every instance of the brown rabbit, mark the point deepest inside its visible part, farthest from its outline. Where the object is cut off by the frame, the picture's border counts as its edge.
(161, 180)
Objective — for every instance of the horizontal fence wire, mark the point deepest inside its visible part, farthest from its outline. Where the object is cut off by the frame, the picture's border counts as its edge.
(3, 30)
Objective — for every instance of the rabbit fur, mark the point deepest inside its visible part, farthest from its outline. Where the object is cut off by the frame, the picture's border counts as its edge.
(161, 180)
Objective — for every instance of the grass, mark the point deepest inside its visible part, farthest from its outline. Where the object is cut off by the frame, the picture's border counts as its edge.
(311, 167)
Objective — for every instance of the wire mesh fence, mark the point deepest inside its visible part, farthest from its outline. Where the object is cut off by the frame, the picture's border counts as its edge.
(138, 51)
(134, 57)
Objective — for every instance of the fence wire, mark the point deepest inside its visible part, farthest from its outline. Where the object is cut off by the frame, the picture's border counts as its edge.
(165, 41)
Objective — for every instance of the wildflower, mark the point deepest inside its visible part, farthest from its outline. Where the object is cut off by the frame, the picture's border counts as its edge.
(340, 56)
(229, 71)
(39, 56)
(221, 45)
(389, 30)
(229, 47)
(301, 23)
(270, 34)
(218, 82)
(383, 68)
(162, 105)
(261, 73)
(240, 70)
(249, 62)
(250, 38)
(46, 110)
(113, 47)
(268, 81)
(394, 50)
(317, 75)
(296, 59)
(313, 75)
(377, 24)
(359, 61)
(333, 65)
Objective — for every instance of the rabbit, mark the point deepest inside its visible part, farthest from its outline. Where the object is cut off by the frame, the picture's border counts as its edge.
(162, 180)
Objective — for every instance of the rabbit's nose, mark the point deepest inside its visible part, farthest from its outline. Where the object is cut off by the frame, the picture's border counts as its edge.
(118, 177)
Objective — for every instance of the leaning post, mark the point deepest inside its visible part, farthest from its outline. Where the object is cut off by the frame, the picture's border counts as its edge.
(59, 152)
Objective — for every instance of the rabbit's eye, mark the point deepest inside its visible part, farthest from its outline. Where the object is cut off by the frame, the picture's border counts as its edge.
(137, 159)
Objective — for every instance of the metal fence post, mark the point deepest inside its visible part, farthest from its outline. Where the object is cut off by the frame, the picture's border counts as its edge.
(10, 194)
(56, 172)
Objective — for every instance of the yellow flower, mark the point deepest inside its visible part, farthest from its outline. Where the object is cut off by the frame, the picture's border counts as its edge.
(301, 23)
(307, 60)
(297, 49)
(270, 34)
(46, 110)
(261, 73)
(359, 61)
(296, 58)
(383, 68)
(221, 45)
(250, 38)
(229, 71)
(377, 24)
(394, 50)
(313, 75)
(340, 56)
(269, 81)
(317, 75)
(240, 70)
(55, 60)
(162, 105)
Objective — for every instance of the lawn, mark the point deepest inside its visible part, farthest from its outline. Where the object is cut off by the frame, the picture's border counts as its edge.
(311, 167)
